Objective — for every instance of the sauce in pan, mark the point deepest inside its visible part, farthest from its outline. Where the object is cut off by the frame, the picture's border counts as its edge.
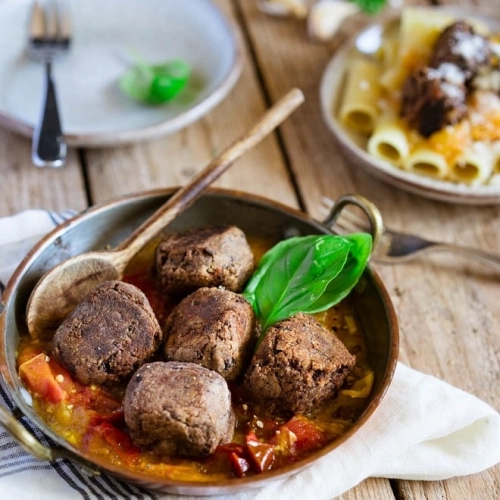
(91, 417)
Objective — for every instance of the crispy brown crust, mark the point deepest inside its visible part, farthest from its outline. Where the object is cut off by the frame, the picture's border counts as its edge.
(298, 365)
(460, 45)
(109, 335)
(178, 409)
(214, 328)
(212, 256)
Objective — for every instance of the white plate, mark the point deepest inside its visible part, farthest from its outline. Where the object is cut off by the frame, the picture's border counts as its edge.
(93, 109)
(354, 145)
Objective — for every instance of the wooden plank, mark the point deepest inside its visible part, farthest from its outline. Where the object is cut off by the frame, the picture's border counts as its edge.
(172, 160)
(463, 325)
(23, 185)
(370, 489)
(448, 308)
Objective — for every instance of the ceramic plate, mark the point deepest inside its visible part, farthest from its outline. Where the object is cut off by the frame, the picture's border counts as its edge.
(354, 145)
(93, 109)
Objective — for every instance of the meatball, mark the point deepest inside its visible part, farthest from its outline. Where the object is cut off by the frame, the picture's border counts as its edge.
(212, 256)
(177, 408)
(298, 365)
(458, 44)
(214, 328)
(108, 335)
(433, 98)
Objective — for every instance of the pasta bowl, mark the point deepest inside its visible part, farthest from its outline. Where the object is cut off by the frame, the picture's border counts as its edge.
(109, 224)
(364, 50)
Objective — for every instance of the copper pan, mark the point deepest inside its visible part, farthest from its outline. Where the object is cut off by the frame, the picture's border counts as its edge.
(106, 225)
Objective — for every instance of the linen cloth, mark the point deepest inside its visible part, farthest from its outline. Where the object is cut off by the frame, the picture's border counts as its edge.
(424, 429)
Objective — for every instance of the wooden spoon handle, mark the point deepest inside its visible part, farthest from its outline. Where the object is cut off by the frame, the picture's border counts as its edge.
(186, 195)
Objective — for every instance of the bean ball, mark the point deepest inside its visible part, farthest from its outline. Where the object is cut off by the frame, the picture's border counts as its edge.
(174, 408)
(108, 335)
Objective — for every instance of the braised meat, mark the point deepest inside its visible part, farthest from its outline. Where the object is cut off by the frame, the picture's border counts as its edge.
(178, 409)
(213, 256)
(214, 328)
(298, 365)
(108, 335)
(461, 46)
(433, 98)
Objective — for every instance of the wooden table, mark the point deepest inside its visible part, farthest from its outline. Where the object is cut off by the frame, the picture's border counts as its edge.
(449, 309)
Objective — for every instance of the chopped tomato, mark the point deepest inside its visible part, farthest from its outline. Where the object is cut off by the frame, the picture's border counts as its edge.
(232, 456)
(252, 456)
(102, 402)
(120, 442)
(265, 428)
(262, 454)
(116, 418)
(80, 396)
(46, 378)
(239, 464)
(99, 404)
(306, 435)
(231, 448)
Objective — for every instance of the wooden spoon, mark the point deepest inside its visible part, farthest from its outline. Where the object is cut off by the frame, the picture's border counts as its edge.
(63, 287)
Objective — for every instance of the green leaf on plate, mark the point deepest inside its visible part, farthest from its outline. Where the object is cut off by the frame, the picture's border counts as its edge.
(370, 6)
(157, 83)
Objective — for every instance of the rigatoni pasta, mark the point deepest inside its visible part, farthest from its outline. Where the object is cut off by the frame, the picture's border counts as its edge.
(429, 102)
(424, 160)
(495, 151)
(359, 110)
(474, 165)
(389, 140)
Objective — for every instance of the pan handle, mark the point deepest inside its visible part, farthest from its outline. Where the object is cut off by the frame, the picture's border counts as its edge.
(368, 207)
(24, 437)
(31, 444)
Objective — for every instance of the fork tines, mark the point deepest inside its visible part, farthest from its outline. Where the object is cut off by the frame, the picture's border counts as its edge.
(49, 25)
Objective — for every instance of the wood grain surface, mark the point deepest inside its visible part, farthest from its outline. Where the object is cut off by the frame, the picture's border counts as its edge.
(448, 307)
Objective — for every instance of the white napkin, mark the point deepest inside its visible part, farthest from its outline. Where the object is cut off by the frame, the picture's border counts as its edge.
(424, 429)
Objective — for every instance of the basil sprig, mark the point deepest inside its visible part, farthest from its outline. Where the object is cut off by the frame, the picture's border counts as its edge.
(155, 83)
(370, 6)
(306, 274)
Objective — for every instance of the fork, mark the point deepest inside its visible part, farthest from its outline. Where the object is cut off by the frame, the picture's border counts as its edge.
(49, 37)
(391, 246)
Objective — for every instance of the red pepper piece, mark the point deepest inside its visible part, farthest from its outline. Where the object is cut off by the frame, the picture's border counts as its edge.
(308, 435)
(40, 378)
(239, 464)
(119, 441)
(262, 454)
(239, 449)
(115, 418)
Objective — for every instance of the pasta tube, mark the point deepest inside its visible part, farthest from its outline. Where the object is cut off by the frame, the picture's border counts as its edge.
(420, 28)
(495, 150)
(474, 165)
(359, 110)
(426, 161)
(389, 51)
(389, 141)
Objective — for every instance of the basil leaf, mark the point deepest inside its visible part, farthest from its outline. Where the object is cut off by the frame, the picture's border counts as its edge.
(155, 84)
(370, 6)
(308, 274)
(345, 281)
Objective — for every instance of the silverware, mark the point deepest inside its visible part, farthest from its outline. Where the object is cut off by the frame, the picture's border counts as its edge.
(49, 37)
(392, 246)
